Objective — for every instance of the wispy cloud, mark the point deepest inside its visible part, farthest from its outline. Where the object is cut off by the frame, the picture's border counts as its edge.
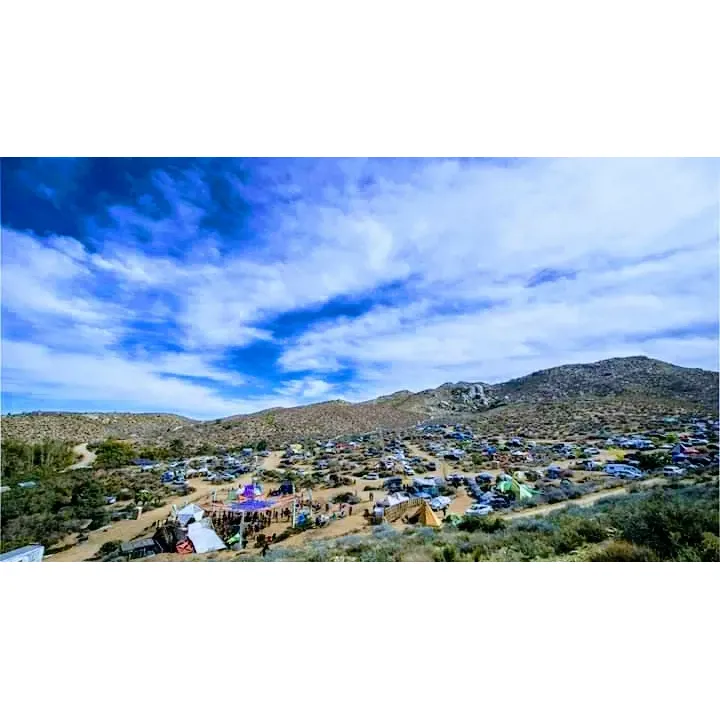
(174, 294)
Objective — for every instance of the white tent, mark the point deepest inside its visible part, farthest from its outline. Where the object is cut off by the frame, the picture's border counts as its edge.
(29, 553)
(204, 539)
(190, 512)
(395, 499)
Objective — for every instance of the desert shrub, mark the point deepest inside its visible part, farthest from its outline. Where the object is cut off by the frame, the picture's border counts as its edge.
(384, 531)
(667, 523)
(109, 547)
(539, 525)
(448, 553)
(565, 540)
(345, 497)
(488, 524)
(114, 454)
(480, 553)
(622, 551)
(555, 495)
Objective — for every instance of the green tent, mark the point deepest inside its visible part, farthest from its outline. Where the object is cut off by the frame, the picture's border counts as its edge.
(519, 490)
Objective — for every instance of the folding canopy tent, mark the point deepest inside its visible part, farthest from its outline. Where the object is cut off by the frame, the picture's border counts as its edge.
(190, 512)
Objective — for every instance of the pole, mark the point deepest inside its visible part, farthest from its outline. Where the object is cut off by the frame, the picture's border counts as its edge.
(294, 511)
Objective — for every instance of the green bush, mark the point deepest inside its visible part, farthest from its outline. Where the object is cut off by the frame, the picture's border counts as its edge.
(109, 547)
(447, 553)
(667, 523)
(114, 454)
(488, 524)
(622, 551)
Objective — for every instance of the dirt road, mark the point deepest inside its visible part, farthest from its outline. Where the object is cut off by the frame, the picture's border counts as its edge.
(125, 530)
(87, 457)
(590, 499)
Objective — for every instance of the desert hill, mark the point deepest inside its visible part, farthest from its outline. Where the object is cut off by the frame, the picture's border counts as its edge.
(592, 392)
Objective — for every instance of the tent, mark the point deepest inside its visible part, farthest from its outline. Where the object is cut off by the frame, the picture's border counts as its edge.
(204, 539)
(251, 505)
(394, 499)
(513, 485)
(427, 517)
(190, 512)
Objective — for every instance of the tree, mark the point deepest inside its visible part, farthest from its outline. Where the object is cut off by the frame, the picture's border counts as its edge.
(653, 461)
(261, 446)
(114, 454)
(177, 447)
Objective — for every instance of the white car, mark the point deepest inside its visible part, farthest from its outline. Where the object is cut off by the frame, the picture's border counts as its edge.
(478, 510)
(672, 471)
(372, 476)
(440, 502)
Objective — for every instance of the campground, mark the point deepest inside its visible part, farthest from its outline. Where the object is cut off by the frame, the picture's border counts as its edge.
(346, 482)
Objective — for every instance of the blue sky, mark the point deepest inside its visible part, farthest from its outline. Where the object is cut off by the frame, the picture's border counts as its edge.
(216, 286)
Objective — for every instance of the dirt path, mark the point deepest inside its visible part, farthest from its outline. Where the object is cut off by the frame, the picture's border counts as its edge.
(272, 461)
(590, 499)
(125, 530)
(87, 457)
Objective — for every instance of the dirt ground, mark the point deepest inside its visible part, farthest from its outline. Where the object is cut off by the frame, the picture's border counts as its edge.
(126, 530)
(87, 457)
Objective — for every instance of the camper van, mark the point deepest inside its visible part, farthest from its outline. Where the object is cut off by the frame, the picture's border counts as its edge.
(623, 471)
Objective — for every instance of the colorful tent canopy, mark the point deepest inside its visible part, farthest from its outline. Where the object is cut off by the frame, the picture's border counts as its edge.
(251, 505)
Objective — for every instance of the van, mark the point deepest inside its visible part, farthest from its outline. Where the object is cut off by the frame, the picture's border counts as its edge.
(673, 471)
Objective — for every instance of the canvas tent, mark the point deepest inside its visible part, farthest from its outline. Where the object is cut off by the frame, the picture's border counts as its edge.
(394, 499)
(427, 517)
(190, 512)
(204, 539)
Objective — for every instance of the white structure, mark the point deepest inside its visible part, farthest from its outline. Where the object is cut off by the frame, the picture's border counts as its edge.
(190, 512)
(29, 553)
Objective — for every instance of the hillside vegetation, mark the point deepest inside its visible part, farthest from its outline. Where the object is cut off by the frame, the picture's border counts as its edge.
(578, 398)
(675, 524)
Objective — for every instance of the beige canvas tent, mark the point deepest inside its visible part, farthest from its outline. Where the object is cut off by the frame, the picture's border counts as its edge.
(427, 517)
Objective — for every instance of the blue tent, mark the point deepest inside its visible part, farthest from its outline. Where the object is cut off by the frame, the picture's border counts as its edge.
(251, 505)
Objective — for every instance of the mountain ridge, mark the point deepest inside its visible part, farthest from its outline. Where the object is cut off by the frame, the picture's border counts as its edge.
(636, 378)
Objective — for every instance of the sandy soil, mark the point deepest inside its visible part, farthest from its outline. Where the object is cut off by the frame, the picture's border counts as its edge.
(87, 457)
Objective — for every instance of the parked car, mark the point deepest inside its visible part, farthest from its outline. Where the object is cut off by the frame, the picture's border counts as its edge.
(673, 471)
(440, 502)
(478, 510)
(372, 476)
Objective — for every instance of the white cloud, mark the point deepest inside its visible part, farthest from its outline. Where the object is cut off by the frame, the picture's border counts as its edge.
(637, 239)
(307, 388)
(77, 378)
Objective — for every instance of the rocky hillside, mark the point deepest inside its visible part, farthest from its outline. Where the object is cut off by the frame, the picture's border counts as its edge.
(634, 381)
(622, 378)
(612, 378)
(80, 427)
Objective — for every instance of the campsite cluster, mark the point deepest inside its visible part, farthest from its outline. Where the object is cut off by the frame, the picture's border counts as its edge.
(245, 500)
